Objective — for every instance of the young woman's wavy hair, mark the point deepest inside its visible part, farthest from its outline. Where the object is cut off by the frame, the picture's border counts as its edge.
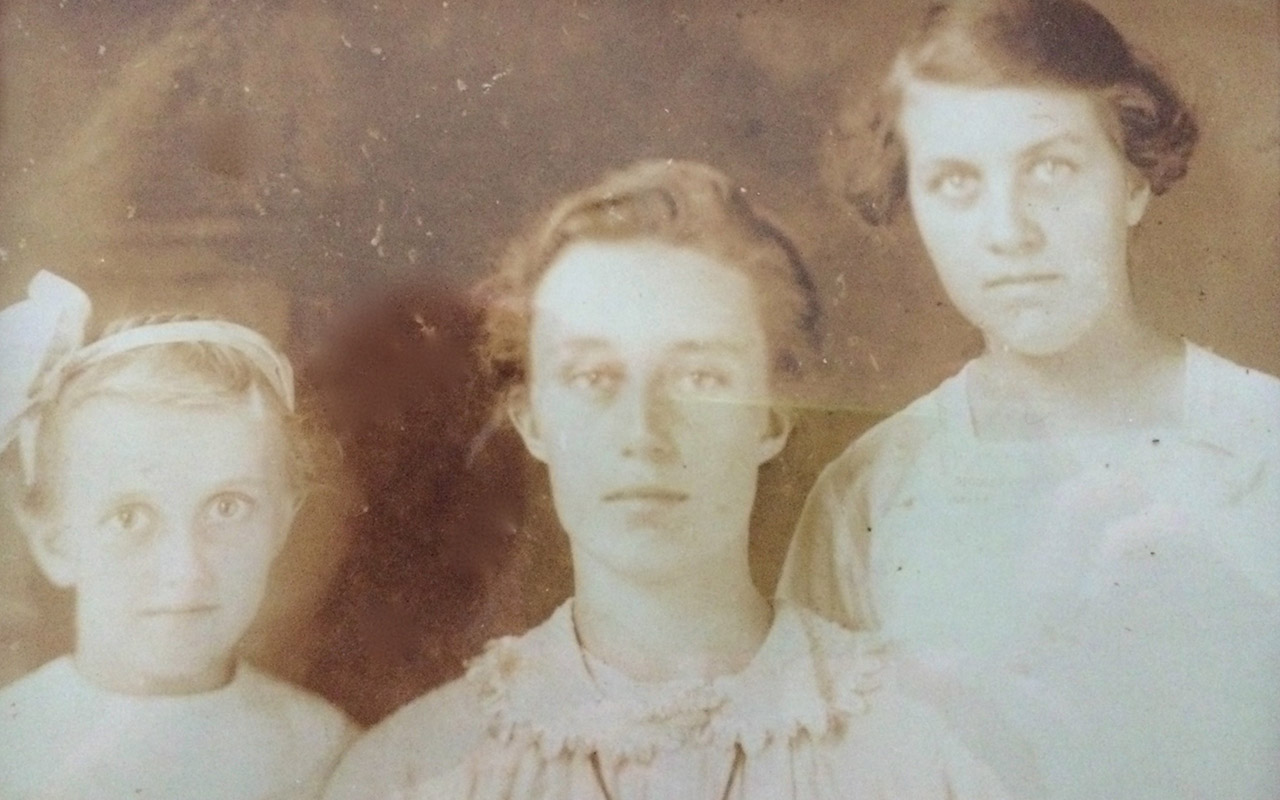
(1058, 44)
(680, 203)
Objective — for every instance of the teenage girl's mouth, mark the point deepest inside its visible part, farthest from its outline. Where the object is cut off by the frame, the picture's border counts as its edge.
(646, 494)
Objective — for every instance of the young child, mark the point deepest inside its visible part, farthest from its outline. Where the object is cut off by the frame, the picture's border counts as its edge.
(158, 472)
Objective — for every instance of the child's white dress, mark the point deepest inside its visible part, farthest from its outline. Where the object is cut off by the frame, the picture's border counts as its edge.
(1116, 598)
(257, 738)
(814, 716)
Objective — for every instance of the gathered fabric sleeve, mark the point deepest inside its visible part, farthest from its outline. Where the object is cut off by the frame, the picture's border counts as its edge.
(916, 755)
(427, 739)
(827, 568)
(968, 778)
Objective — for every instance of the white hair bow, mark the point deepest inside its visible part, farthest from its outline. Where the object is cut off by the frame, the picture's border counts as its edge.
(44, 337)
(40, 335)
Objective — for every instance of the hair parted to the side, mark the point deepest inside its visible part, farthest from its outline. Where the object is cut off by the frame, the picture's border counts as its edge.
(182, 373)
(680, 203)
(1055, 44)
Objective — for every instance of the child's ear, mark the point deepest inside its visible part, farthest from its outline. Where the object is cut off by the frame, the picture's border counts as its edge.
(776, 434)
(520, 411)
(51, 546)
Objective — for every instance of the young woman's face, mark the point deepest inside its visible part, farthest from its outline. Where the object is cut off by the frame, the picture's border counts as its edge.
(1024, 204)
(167, 522)
(648, 401)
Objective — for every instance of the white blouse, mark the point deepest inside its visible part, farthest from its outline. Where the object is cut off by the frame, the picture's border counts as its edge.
(814, 716)
(1114, 597)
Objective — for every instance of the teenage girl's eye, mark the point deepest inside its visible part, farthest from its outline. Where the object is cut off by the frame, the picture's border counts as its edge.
(230, 507)
(1051, 169)
(132, 519)
(954, 183)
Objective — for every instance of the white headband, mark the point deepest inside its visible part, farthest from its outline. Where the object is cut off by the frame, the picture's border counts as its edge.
(43, 343)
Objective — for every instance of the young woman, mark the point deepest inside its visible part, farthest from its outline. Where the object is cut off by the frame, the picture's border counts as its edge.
(648, 328)
(1083, 520)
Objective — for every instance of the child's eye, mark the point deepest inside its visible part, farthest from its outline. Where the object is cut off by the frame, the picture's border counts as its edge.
(1051, 169)
(132, 519)
(230, 507)
(957, 184)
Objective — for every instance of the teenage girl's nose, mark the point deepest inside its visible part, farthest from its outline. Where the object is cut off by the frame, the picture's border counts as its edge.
(1011, 228)
(648, 412)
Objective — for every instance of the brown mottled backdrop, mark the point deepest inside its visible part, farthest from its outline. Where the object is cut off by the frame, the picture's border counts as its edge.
(337, 173)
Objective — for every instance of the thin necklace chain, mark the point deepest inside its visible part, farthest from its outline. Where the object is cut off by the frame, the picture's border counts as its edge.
(739, 758)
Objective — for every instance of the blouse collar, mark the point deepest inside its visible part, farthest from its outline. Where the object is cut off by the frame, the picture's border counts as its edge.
(806, 678)
(1209, 383)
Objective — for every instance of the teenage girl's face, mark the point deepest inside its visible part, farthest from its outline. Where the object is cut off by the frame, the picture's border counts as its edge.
(167, 523)
(1024, 203)
(648, 401)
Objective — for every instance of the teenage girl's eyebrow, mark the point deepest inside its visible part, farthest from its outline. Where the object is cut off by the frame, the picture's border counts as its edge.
(1053, 141)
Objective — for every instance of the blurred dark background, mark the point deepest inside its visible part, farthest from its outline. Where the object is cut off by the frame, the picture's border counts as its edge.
(337, 174)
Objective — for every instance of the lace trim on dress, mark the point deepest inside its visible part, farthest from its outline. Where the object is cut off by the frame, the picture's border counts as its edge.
(808, 678)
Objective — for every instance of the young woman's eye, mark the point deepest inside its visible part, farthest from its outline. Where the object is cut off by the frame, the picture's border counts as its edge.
(230, 507)
(1051, 169)
(597, 380)
(703, 380)
(956, 184)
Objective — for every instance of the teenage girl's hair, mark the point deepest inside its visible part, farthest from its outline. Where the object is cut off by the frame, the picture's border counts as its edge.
(1057, 44)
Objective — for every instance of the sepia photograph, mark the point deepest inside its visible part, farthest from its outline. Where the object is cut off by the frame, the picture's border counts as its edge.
(620, 400)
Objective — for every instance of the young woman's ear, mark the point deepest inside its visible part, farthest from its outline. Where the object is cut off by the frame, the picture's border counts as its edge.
(520, 411)
(1139, 197)
(51, 547)
(288, 514)
(776, 434)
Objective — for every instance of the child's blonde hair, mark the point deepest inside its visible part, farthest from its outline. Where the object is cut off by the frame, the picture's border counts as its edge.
(191, 372)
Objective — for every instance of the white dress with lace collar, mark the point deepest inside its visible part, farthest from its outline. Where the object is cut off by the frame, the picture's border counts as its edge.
(814, 715)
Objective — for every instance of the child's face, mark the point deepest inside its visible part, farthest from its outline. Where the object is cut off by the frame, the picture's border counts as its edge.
(167, 521)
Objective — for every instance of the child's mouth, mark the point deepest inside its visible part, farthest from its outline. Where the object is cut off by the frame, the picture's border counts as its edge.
(182, 610)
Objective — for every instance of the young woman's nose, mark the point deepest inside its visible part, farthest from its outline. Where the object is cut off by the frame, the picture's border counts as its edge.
(648, 415)
(1011, 226)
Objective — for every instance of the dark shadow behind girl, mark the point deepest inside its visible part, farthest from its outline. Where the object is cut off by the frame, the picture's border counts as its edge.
(429, 574)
